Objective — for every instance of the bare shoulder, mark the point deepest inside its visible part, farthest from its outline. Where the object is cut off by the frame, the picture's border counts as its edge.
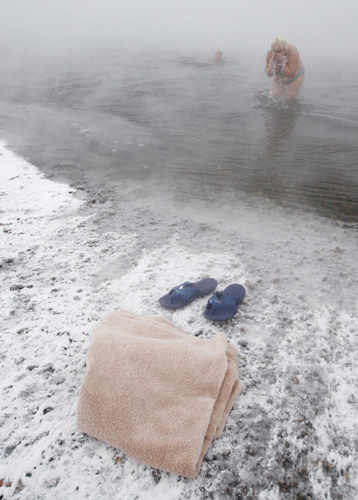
(292, 50)
(268, 56)
(293, 54)
(293, 59)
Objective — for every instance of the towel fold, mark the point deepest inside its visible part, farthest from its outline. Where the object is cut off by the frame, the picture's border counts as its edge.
(155, 392)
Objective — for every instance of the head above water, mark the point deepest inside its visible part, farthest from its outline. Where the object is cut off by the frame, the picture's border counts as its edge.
(218, 55)
(279, 44)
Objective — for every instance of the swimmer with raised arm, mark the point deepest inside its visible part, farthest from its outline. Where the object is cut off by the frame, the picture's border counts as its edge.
(284, 64)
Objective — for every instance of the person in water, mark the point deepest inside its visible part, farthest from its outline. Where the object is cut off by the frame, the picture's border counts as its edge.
(284, 64)
(218, 56)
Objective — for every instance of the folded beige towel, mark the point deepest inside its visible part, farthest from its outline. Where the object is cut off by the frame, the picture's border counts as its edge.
(155, 392)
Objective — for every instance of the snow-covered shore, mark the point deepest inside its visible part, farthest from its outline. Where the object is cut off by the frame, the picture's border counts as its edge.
(68, 256)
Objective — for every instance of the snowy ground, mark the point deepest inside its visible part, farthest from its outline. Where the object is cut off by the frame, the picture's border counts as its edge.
(69, 254)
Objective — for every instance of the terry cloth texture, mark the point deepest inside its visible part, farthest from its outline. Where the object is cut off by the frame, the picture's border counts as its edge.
(155, 392)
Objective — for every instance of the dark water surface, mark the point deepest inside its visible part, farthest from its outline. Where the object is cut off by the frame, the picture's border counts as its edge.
(188, 125)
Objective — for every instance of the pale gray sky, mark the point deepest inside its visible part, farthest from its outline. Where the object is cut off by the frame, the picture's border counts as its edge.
(57, 26)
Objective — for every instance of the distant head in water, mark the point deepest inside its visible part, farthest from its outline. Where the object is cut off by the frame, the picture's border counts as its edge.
(218, 56)
(284, 64)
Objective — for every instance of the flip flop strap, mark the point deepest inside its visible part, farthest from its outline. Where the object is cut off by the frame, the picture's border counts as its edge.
(217, 301)
(185, 290)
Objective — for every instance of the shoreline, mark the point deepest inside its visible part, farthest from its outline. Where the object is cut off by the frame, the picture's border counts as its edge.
(66, 260)
(68, 144)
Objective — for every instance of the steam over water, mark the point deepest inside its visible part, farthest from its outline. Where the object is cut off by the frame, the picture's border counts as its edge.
(197, 128)
(176, 169)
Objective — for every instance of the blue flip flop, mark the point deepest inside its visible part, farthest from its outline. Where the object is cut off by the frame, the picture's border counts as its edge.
(184, 294)
(223, 306)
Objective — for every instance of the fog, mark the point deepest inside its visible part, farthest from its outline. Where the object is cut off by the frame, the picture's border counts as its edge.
(43, 27)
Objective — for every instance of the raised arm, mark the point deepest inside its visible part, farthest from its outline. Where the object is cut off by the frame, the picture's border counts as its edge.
(270, 65)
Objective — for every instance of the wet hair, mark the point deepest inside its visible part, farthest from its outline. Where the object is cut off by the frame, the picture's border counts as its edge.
(218, 53)
(279, 43)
